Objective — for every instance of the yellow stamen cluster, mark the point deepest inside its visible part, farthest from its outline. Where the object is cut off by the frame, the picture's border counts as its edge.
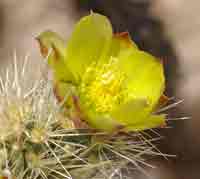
(102, 86)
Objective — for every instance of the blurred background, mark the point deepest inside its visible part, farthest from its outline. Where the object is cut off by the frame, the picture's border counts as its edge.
(169, 29)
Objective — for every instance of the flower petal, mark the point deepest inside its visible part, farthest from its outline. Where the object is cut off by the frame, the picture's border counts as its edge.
(121, 41)
(132, 112)
(144, 73)
(104, 123)
(152, 121)
(89, 42)
(62, 91)
(135, 116)
(52, 46)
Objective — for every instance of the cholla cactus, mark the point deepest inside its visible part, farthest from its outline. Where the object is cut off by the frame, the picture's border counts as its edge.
(40, 140)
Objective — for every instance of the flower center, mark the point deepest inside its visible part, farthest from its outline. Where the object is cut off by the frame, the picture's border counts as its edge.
(102, 86)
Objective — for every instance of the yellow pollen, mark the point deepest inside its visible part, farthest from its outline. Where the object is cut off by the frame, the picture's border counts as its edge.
(102, 86)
